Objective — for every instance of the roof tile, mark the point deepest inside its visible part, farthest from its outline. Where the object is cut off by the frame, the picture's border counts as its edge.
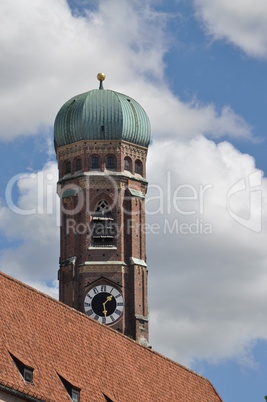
(55, 339)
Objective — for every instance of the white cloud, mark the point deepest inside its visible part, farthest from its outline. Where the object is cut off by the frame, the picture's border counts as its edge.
(33, 222)
(51, 290)
(240, 22)
(207, 272)
(172, 118)
(204, 288)
(48, 55)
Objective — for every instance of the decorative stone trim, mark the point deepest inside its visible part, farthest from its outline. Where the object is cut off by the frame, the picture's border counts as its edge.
(136, 261)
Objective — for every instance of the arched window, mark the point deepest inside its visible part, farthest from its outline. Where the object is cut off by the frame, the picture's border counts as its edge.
(138, 167)
(103, 231)
(95, 162)
(78, 164)
(67, 167)
(127, 164)
(110, 162)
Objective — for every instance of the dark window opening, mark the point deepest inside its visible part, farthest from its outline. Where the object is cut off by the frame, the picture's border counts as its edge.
(138, 168)
(127, 164)
(107, 398)
(73, 391)
(110, 162)
(25, 371)
(95, 162)
(78, 164)
(103, 226)
(67, 167)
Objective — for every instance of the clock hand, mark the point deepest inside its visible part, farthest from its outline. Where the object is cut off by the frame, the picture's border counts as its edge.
(104, 311)
(109, 298)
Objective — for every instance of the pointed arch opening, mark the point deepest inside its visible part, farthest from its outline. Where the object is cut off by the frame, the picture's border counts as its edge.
(110, 162)
(67, 167)
(138, 167)
(95, 162)
(127, 164)
(78, 164)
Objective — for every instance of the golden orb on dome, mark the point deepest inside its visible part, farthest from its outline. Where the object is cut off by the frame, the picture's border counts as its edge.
(101, 76)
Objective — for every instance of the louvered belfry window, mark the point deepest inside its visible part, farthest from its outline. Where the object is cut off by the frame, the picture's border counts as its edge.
(103, 233)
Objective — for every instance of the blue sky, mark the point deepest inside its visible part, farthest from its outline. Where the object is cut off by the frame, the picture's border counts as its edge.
(199, 70)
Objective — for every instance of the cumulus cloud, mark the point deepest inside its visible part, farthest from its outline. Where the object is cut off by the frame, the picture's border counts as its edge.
(43, 47)
(172, 119)
(206, 286)
(240, 22)
(207, 268)
(33, 223)
(48, 55)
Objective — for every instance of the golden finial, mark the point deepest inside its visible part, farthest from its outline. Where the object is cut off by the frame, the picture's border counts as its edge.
(101, 76)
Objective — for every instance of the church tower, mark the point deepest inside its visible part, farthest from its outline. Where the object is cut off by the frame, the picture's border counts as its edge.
(101, 141)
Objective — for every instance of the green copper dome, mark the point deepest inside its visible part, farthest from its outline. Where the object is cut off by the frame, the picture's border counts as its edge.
(101, 115)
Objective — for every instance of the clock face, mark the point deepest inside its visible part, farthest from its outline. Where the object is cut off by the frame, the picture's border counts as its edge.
(104, 303)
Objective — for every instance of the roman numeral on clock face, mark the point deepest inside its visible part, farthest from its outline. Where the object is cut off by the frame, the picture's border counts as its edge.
(104, 303)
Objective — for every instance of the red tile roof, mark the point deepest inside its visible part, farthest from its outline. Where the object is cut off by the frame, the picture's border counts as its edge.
(55, 339)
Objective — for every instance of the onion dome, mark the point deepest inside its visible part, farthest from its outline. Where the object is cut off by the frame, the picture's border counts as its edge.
(101, 114)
